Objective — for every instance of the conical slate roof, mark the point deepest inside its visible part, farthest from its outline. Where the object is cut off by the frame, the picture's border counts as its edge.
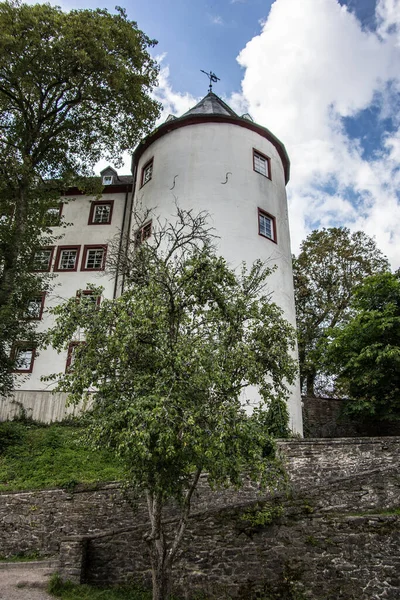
(213, 110)
(211, 105)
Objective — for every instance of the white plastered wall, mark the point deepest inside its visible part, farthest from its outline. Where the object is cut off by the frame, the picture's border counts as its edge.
(30, 391)
(209, 166)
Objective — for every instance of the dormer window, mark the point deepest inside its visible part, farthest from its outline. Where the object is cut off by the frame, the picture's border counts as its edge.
(107, 179)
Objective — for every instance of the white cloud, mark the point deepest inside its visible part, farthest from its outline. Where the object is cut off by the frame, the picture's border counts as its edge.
(174, 103)
(216, 19)
(312, 65)
(388, 15)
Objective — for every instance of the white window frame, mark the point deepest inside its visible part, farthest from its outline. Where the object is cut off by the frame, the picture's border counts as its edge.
(266, 231)
(67, 259)
(103, 210)
(50, 251)
(261, 164)
(87, 250)
(147, 172)
(63, 250)
(25, 349)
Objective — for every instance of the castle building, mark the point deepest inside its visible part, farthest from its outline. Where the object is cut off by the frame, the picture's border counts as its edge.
(210, 159)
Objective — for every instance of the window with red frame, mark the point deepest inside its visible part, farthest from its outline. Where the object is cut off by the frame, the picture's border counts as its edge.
(42, 259)
(35, 306)
(52, 216)
(73, 353)
(23, 355)
(94, 258)
(266, 225)
(101, 212)
(67, 258)
(88, 297)
(143, 233)
(261, 164)
(147, 172)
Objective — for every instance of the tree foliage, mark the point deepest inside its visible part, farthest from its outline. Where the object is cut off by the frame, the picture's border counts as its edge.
(165, 365)
(73, 88)
(330, 264)
(364, 353)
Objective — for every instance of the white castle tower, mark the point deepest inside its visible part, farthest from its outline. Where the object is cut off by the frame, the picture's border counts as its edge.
(211, 159)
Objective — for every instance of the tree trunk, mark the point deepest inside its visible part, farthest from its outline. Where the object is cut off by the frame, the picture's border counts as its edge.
(161, 566)
(162, 554)
(310, 381)
(12, 249)
(161, 582)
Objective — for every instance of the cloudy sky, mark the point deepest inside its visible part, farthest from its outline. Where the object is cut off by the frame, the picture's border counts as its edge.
(322, 75)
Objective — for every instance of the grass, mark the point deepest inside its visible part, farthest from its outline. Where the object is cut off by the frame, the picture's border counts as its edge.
(22, 557)
(69, 591)
(376, 512)
(37, 456)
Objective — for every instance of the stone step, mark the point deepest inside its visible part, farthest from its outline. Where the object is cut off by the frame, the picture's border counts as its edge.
(34, 565)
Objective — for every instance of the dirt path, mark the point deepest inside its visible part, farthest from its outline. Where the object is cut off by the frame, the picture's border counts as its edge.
(27, 581)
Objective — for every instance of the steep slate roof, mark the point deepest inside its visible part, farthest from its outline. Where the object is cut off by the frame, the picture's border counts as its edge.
(214, 110)
(210, 105)
(119, 179)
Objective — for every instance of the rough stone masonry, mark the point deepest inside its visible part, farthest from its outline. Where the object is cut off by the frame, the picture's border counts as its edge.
(333, 534)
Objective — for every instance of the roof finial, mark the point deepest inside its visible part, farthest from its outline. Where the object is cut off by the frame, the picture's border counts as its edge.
(212, 77)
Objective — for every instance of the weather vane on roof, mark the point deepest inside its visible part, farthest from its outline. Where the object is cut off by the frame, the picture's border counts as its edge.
(212, 77)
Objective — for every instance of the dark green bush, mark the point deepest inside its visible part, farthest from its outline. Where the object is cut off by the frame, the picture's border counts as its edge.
(11, 434)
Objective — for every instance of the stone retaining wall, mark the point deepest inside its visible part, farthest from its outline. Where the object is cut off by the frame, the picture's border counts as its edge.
(324, 418)
(338, 535)
(351, 557)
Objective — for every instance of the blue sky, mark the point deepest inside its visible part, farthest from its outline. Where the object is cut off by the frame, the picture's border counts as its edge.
(323, 75)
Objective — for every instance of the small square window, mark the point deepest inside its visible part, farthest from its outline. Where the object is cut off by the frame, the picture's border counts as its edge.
(34, 309)
(266, 225)
(107, 179)
(52, 216)
(73, 353)
(143, 233)
(261, 164)
(67, 258)
(23, 356)
(147, 172)
(101, 213)
(42, 259)
(94, 258)
(88, 297)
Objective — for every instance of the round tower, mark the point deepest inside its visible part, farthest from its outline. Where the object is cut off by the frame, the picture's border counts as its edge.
(210, 159)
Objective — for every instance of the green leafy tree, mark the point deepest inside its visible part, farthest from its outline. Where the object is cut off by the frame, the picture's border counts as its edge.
(73, 88)
(330, 264)
(364, 353)
(163, 367)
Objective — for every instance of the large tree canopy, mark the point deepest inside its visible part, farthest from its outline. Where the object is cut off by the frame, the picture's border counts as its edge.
(364, 354)
(164, 366)
(74, 87)
(330, 264)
